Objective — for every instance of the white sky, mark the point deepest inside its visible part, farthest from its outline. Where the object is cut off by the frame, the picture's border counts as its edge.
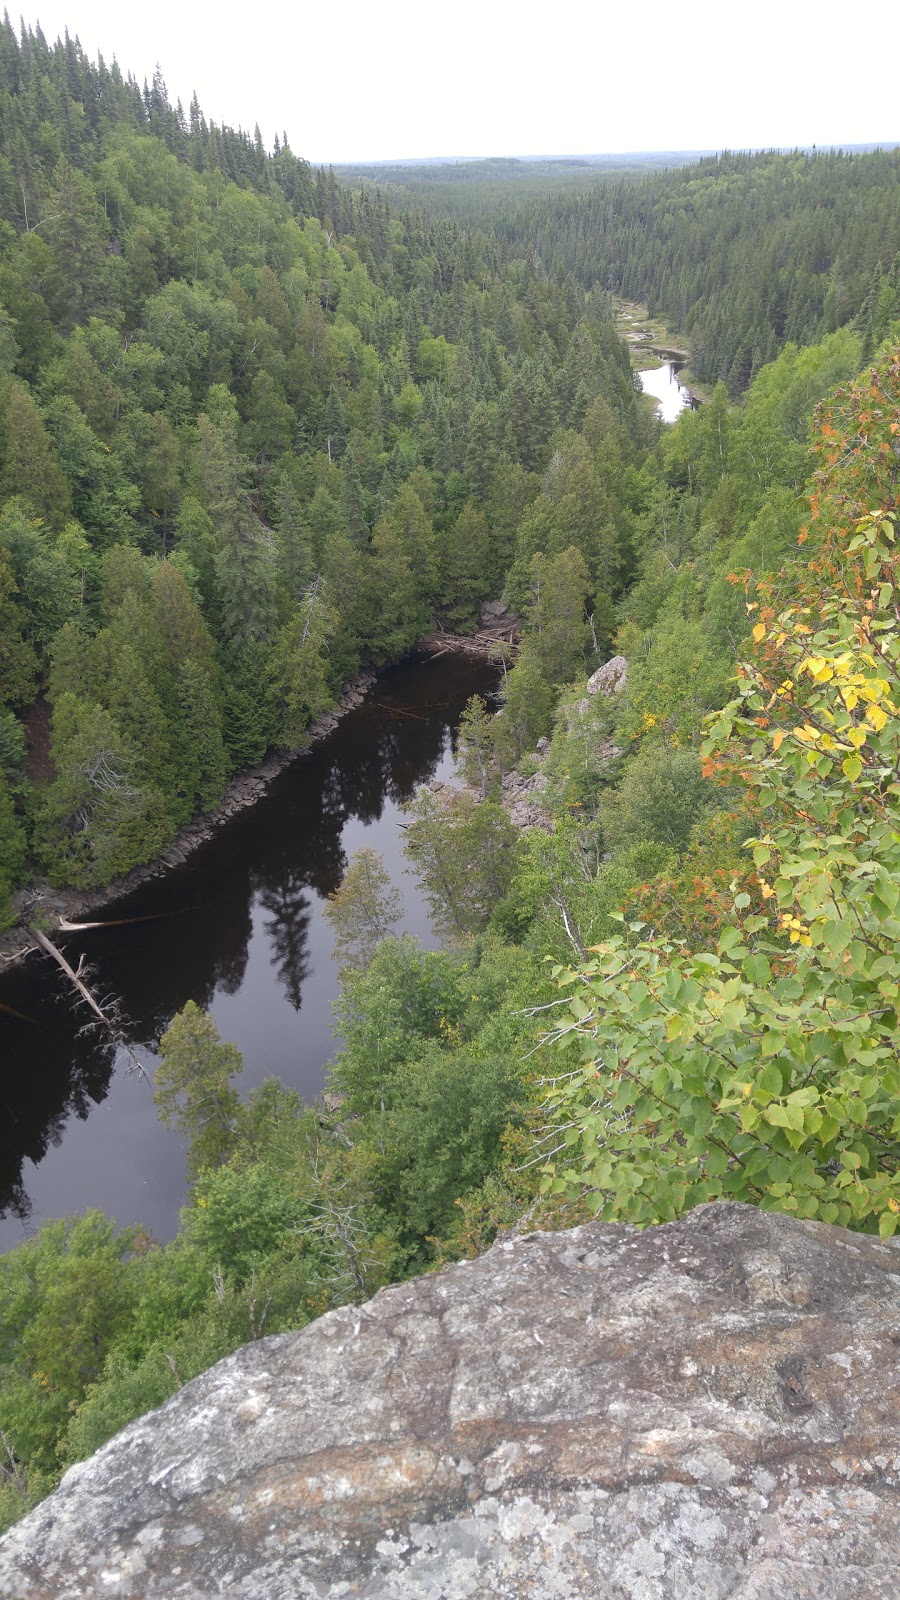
(364, 80)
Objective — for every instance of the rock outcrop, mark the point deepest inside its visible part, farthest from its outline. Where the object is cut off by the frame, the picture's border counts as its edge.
(611, 678)
(66, 906)
(523, 800)
(699, 1410)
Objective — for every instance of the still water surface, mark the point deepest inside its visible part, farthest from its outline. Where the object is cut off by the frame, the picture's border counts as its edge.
(239, 929)
(667, 389)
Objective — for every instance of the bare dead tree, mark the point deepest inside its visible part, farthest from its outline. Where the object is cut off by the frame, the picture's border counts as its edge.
(104, 1016)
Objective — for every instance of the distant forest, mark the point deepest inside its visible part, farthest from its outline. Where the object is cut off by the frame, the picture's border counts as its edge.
(484, 178)
(740, 253)
(260, 427)
(257, 430)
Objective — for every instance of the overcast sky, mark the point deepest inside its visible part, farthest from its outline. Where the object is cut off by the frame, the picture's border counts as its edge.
(359, 80)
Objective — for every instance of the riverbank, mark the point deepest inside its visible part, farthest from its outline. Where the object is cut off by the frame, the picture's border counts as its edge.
(652, 344)
(648, 338)
(241, 930)
(498, 634)
(51, 908)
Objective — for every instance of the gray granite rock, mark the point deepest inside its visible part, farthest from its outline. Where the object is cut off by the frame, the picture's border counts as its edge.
(611, 678)
(699, 1410)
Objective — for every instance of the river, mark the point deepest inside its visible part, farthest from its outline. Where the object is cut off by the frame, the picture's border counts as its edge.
(667, 389)
(239, 928)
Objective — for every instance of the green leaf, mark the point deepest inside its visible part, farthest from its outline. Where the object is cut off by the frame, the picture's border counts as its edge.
(757, 970)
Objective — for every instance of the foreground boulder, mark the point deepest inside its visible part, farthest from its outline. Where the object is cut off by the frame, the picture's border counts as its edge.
(699, 1410)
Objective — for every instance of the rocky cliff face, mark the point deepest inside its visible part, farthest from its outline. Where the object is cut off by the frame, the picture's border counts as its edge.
(700, 1410)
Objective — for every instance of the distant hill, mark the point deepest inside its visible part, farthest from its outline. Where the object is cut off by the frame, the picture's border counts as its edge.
(536, 172)
(530, 171)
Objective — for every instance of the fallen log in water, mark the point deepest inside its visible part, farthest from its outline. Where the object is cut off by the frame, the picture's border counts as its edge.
(112, 922)
(103, 1018)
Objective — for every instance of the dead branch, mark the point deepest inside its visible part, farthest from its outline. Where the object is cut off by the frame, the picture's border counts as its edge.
(103, 1018)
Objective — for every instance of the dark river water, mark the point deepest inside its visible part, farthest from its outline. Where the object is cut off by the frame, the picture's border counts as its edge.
(239, 929)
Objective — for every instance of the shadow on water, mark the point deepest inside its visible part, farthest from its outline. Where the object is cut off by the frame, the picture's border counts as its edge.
(239, 929)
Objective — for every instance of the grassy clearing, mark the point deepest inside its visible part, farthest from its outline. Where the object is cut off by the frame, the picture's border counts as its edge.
(645, 335)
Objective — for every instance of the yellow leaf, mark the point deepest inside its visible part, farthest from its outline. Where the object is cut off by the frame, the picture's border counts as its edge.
(778, 739)
(759, 632)
(877, 717)
(857, 737)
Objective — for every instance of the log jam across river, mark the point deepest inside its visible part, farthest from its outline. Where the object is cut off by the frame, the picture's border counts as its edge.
(239, 929)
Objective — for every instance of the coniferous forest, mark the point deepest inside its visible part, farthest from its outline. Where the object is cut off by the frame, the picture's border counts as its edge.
(261, 429)
(256, 431)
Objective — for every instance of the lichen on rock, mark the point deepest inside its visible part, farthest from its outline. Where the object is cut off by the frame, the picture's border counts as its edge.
(609, 679)
(698, 1410)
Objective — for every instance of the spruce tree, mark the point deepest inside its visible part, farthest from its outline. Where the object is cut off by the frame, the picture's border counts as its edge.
(29, 465)
(463, 568)
(13, 852)
(244, 575)
(250, 716)
(95, 818)
(201, 722)
(18, 664)
(299, 668)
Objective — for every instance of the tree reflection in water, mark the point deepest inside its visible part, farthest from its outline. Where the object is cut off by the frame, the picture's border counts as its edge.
(253, 890)
(289, 909)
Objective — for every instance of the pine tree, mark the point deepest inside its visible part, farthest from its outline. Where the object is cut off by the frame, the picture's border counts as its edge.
(95, 819)
(128, 693)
